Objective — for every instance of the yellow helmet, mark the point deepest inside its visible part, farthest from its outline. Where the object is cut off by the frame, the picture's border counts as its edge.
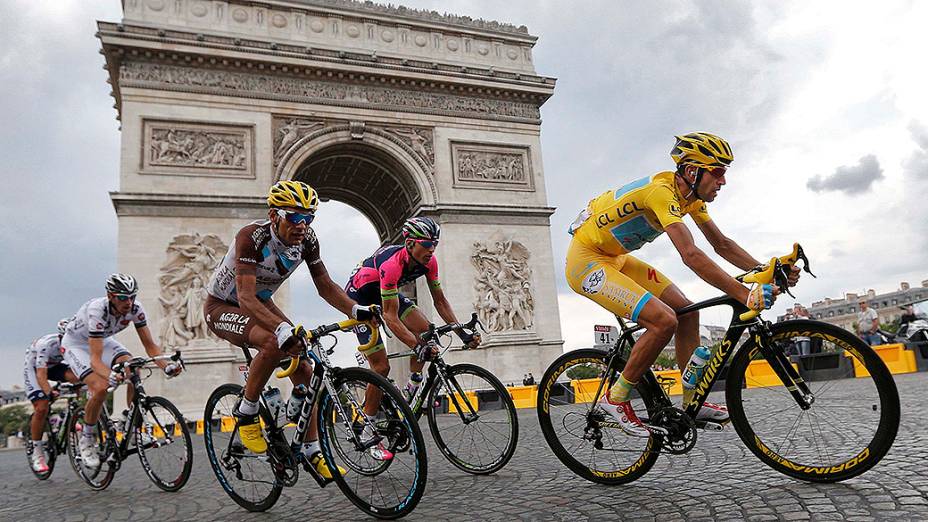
(702, 150)
(293, 194)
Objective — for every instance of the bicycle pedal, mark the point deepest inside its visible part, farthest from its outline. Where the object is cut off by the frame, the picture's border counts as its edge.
(710, 426)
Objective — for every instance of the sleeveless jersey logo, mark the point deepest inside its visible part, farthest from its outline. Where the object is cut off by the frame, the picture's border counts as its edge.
(652, 275)
(675, 210)
(594, 281)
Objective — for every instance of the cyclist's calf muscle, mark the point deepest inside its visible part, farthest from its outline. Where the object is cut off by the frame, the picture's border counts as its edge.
(661, 323)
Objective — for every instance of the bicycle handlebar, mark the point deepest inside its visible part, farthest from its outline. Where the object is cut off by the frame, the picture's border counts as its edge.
(776, 272)
(347, 324)
(435, 331)
(138, 362)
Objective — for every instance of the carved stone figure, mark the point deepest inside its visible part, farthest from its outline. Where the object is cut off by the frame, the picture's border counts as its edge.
(480, 165)
(290, 131)
(191, 261)
(418, 139)
(502, 287)
(183, 147)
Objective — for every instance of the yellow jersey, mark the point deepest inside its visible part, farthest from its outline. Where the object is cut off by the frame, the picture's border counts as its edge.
(620, 221)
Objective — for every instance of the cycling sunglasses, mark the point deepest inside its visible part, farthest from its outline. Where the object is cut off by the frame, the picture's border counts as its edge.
(122, 297)
(716, 172)
(296, 217)
(427, 243)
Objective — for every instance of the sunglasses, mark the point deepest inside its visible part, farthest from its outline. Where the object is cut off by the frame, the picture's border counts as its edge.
(427, 243)
(125, 297)
(296, 217)
(717, 172)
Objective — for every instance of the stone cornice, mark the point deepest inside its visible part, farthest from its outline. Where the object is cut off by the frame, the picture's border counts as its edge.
(185, 205)
(123, 35)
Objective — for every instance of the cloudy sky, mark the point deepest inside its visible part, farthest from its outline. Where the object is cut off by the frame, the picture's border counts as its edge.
(824, 105)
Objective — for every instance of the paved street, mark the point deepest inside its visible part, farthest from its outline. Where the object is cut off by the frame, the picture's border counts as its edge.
(718, 480)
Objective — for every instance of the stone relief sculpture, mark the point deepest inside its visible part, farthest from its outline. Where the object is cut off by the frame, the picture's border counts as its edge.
(289, 131)
(476, 165)
(191, 261)
(189, 79)
(418, 139)
(504, 300)
(180, 147)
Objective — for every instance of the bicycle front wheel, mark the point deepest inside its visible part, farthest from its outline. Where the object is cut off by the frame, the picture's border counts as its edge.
(246, 477)
(163, 441)
(382, 489)
(581, 434)
(476, 440)
(851, 423)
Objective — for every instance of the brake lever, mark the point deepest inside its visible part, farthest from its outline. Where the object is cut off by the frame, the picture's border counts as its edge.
(805, 262)
(781, 278)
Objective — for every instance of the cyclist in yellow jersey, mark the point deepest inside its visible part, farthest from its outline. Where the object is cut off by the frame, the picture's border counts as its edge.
(617, 222)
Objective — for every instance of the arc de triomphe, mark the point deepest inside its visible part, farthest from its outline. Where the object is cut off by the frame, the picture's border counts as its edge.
(394, 111)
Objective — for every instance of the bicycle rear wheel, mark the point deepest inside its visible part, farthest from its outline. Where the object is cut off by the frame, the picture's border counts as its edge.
(582, 435)
(381, 489)
(51, 450)
(164, 445)
(478, 441)
(247, 478)
(98, 478)
(851, 424)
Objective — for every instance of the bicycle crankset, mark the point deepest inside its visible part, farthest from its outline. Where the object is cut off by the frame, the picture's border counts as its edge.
(283, 463)
(681, 430)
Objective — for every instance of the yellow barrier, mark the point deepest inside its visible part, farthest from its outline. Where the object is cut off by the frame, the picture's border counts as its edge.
(177, 430)
(677, 387)
(759, 374)
(524, 396)
(585, 389)
(200, 427)
(896, 357)
(157, 432)
(227, 424)
(471, 398)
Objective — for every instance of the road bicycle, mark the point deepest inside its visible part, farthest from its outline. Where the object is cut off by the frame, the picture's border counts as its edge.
(470, 413)
(153, 428)
(832, 428)
(383, 489)
(55, 432)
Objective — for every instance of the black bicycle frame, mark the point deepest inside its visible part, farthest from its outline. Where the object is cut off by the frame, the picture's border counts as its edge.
(759, 331)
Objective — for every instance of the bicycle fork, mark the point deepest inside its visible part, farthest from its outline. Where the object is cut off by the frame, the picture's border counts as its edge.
(782, 367)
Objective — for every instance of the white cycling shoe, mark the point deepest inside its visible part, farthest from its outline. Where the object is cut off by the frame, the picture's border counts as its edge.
(712, 412)
(624, 415)
(38, 461)
(89, 455)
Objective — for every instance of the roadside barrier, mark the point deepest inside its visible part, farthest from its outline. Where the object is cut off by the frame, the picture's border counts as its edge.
(896, 357)
(824, 366)
(759, 374)
(524, 396)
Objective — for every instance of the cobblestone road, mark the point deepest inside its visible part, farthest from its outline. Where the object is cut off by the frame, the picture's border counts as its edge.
(718, 480)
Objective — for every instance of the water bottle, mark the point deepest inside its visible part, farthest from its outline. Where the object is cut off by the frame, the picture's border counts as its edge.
(695, 367)
(295, 404)
(415, 379)
(55, 420)
(273, 401)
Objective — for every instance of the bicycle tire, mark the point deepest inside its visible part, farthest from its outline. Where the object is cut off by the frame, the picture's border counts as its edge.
(97, 478)
(549, 389)
(852, 461)
(168, 430)
(212, 420)
(51, 452)
(507, 413)
(332, 431)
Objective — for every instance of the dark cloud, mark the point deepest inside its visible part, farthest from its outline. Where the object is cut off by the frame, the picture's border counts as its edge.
(851, 180)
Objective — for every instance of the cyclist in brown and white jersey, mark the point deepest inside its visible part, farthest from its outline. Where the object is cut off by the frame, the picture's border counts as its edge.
(240, 308)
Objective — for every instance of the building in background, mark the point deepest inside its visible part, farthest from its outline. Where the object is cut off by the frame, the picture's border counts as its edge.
(843, 312)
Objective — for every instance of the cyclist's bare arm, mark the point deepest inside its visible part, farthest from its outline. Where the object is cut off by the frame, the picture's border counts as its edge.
(272, 306)
(151, 347)
(391, 308)
(697, 260)
(328, 290)
(95, 345)
(245, 284)
(442, 306)
(41, 377)
(726, 247)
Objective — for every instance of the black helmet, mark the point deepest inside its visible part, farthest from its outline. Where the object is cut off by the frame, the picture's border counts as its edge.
(122, 284)
(421, 228)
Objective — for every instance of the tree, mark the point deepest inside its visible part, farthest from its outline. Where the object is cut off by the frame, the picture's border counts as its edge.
(13, 419)
(583, 371)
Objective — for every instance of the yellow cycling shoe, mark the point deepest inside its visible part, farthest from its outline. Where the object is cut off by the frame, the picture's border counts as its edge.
(322, 467)
(249, 430)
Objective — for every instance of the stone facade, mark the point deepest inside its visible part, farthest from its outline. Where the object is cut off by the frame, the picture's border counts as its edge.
(394, 111)
(888, 306)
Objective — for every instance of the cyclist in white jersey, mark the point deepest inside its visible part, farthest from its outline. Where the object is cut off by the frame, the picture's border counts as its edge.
(91, 351)
(241, 310)
(43, 363)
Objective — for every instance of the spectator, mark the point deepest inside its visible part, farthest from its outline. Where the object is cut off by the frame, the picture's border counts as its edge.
(803, 344)
(868, 323)
(531, 379)
(908, 315)
(524, 380)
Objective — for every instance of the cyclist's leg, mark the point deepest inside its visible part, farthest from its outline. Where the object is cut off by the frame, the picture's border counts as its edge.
(652, 280)
(417, 323)
(115, 353)
(39, 402)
